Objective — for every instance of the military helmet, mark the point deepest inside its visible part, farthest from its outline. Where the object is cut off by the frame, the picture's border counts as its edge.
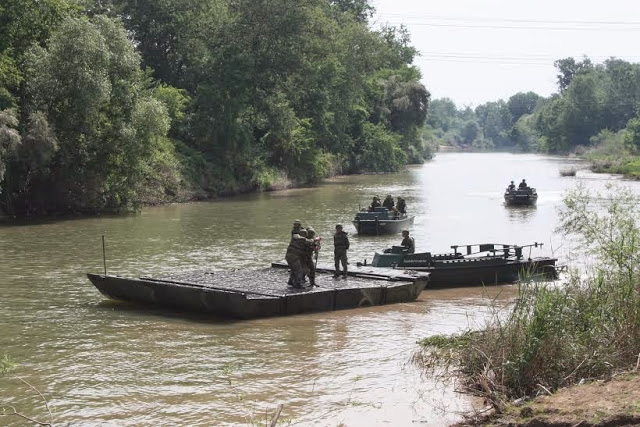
(303, 232)
(310, 231)
(338, 226)
(405, 232)
(297, 222)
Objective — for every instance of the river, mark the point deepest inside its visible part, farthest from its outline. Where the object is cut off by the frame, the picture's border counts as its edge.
(103, 362)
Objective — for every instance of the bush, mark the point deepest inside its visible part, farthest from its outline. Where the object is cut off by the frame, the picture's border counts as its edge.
(380, 150)
(554, 336)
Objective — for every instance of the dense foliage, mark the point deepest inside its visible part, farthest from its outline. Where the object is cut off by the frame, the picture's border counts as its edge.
(108, 104)
(591, 99)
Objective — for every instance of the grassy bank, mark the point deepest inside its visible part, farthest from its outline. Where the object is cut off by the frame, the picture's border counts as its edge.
(613, 153)
(558, 335)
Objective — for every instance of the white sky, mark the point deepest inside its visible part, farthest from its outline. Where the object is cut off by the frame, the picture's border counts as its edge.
(475, 51)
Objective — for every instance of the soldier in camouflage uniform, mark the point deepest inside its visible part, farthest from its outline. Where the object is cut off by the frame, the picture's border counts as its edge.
(374, 204)
(341, 245)
(388, 202)
(402, 206)
(308, 264)
(408, 243)
(295, 252)
(297, 226)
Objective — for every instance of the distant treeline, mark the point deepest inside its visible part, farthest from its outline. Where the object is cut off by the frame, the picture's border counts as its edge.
(108, 104)
(595, 106)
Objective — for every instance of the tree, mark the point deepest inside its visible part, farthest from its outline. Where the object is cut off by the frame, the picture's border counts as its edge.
(442, 114)
(470, 132)
(495, 120)
(9, 138)
(87, 84)
(360, 9)
(522, 103)
(568, 68)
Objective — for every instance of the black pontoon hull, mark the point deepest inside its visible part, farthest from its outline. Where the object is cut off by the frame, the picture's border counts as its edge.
(194, 296)
(459, 274)
(373, 227)
(520, 200)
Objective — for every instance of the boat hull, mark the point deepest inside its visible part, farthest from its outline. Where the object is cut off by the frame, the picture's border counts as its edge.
(386, 226)
(484, 275)
(236, 301)
(520, 199)
(472, 271)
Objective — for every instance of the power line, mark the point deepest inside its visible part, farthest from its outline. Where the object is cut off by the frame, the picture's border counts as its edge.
(482, 61)
(527, 56)
(524, 60)
(530, 21)
(510, 27)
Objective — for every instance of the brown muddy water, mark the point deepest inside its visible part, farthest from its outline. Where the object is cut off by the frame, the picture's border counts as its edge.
(101, 362)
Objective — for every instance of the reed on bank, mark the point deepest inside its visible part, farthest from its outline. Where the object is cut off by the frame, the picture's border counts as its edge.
(556, 335)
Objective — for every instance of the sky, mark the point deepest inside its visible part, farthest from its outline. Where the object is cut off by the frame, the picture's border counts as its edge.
(477, 51)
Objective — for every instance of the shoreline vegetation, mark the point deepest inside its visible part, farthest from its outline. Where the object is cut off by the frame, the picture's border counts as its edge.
(558, 336)
(109, 106)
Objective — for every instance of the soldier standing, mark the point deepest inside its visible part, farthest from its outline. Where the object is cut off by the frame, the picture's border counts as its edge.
(341, 245)
(297, 226)
(296, 251)
(312, 247)
(408, 243)
(388, 202)
(402, 206)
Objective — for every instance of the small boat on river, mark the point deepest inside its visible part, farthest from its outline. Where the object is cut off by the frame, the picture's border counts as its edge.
(246, 294)
(381, 221)
(482, 264)
(525, 196)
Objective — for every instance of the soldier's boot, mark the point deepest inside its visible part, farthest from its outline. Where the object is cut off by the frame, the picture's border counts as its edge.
(344, 274)
(337, 273)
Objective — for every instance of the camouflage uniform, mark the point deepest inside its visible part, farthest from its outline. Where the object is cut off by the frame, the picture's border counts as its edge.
(374, 204)
(295, 252)
(341, 245)
(402, 206)
(408, 243)
(308, 264)
(296, 227)
(388, 202)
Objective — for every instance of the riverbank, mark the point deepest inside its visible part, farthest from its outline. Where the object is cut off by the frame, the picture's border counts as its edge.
(611, 402)
(557, 335)
(611, 153)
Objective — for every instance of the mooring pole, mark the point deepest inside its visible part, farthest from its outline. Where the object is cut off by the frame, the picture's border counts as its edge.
(104, 256)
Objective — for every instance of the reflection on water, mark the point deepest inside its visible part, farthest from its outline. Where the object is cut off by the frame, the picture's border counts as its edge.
(521, 214)
(107, 362)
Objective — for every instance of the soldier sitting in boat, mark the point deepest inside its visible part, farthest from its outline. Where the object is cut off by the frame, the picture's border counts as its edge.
(523, 185)
(511, 187)
(402, 206)
(408, 244)
(374, 204)
(388, 202)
